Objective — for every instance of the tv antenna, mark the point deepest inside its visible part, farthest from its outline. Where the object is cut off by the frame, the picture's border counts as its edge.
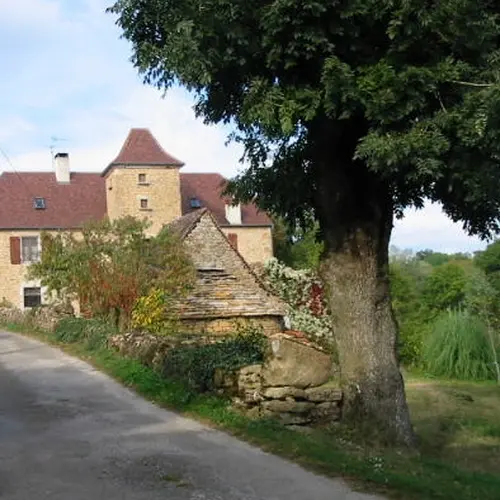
(53, 142)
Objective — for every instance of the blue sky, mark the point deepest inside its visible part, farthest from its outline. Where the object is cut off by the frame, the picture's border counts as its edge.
(65, 73)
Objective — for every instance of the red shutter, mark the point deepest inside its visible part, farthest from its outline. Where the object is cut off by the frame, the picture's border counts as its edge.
(15, 250)
(233, 239)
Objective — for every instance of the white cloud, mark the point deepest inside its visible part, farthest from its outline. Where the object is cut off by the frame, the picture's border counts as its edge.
(431, 228)
(69, 76)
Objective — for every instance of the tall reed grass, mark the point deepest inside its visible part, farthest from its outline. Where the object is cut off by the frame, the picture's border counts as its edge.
(458, 347)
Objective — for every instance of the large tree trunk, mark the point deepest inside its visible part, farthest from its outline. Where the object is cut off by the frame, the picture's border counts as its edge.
(356, 217)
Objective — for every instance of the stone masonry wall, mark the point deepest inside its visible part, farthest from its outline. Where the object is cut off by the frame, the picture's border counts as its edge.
(162, 189)
(226, 287)
(13, 276)
(255, 244)
(223, 326)
(292, 386)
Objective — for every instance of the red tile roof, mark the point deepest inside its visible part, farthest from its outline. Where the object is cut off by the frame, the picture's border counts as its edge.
(67, 205)
(84, 198)
(141, 148)
(207, 189)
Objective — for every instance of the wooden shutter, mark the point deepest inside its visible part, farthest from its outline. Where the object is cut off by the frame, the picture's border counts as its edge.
(15, 250)
(233, 239)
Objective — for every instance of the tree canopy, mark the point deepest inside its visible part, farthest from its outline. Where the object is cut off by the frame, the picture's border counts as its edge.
(350, 111)
(409, 90)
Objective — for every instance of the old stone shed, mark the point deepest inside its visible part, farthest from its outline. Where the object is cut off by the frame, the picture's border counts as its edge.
(226, 289)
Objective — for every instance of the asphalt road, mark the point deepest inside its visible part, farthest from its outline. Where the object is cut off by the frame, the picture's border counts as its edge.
(68, 432)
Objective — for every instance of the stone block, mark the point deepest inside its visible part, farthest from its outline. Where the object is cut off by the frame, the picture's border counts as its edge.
(295, 364)
(290, 406)
(323, 394)
(294, 418)
(325, 413)
(284, 393)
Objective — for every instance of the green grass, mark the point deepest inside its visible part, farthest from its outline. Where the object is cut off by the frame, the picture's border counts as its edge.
(459, 451)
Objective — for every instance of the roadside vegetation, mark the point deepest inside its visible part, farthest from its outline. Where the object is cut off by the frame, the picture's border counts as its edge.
(456, 421)
(446, 306)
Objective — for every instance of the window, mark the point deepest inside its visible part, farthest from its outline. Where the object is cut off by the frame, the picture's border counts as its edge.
(39, 203)
(144, 204)
(32, 297)
(30, 251)
(195, 203)
(142, 179)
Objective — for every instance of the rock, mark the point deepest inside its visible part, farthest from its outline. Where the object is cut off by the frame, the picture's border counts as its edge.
(250, 396)
(284, 393)
(294, 418)
(251, 369)
(294, 364)
(253, 412)
(290, 406)
(325, 413)
(323, 394)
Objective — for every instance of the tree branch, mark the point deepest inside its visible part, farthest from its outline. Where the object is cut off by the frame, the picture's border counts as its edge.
(472, 84)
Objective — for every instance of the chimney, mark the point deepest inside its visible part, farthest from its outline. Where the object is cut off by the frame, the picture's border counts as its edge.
(233, 214)
(61, 163)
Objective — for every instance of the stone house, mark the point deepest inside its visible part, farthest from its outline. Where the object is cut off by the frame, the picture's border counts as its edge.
(226, 289)
(143, 181)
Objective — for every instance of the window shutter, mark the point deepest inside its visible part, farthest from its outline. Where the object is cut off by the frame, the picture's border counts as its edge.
(15, 250)
(233, 239)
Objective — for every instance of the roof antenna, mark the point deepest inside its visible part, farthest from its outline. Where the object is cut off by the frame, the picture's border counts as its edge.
(53, 141)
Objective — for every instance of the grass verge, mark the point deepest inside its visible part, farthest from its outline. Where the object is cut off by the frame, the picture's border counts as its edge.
(431, 474)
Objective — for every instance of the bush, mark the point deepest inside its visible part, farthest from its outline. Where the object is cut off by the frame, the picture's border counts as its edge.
(196, 364)
(302, 291)
(458, 347)
(93, 333)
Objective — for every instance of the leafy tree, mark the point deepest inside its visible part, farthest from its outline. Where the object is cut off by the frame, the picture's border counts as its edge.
(489, 261)
(111, 265)
(297, 247)
(354, 110)
(445, 287)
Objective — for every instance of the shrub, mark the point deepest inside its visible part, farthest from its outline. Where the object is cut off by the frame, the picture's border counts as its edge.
(196, 364)
(150, 313)
(93, 333)
(302, 291)
(458, 347)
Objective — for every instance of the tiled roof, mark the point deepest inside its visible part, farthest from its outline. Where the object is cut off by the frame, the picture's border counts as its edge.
(67, 205)
(207, 188)
(141, 148)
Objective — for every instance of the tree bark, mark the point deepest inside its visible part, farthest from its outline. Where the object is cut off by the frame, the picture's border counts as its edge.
(356, 216)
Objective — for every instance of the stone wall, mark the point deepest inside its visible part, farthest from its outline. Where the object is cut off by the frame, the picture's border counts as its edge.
(224, 326)
(226, 288)
(162, 190)
(45, 317)
(293, 386)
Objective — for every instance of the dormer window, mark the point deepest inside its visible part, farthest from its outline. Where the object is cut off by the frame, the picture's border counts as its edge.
(195, 203)
(39, 203)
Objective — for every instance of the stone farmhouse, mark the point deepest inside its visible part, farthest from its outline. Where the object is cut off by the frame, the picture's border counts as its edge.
(142, 181)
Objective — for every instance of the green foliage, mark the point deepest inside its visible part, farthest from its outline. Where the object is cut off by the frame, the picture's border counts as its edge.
(409, 312)
(458, 347)
(296, 247)
(489, 261)
(406, 91)
(92, 333)
(445, 287)
(111, 265)
(196, 364)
